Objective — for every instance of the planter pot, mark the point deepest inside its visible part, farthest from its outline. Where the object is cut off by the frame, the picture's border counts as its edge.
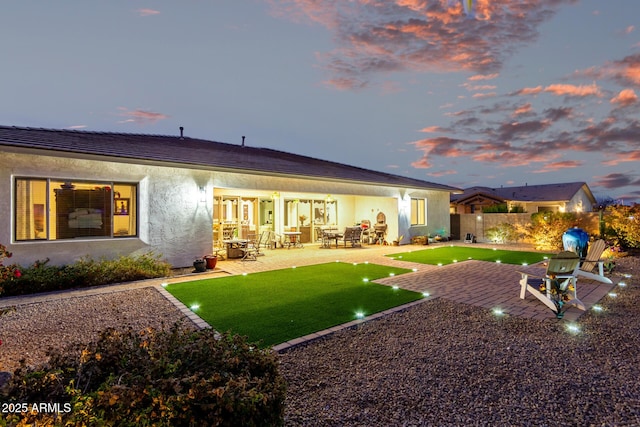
(200, 265)
(211, 261)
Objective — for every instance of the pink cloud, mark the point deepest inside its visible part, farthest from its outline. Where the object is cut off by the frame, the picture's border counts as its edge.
(625, 98)
(141, 116)
(573, 90)
(376, 37)
(443, 173)
(559, 166)
(147, 12)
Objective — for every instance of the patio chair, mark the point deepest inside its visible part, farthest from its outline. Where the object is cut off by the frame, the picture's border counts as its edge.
(352, 235)
(592, 260)
(249, 251)
(557, 289)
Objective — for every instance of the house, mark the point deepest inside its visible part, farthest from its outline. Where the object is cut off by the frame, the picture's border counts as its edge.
(75, 193)
(563, 197)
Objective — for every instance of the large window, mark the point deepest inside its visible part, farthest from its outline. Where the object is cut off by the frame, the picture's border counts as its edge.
(418, 209)
(47, 209)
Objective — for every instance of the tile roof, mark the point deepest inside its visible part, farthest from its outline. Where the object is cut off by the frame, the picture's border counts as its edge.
(529, 193)
(199, 153)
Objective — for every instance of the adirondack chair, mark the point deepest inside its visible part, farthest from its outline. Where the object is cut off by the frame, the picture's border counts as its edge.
(592, 260)
(557, 289)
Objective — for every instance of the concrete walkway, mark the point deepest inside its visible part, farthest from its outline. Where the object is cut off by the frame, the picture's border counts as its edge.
(479, 283)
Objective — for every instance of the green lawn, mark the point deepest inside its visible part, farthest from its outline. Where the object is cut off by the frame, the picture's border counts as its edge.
(276, 306)
(450, 254)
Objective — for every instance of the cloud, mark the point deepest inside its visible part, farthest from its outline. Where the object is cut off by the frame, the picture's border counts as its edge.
(147, 12)
(573, 90)
(616, 180)
(140, 117)
(625, 98)
(559, 166)
(443, 173)
(377, 37)
(77, 127)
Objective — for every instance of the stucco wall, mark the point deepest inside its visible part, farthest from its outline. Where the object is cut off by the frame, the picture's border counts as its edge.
(171, 218)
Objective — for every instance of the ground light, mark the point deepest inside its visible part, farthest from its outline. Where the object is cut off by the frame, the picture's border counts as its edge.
(498, 312)
(194, 307)
(525, 264)
(573, 328)
(612, 294)
(164, 284)
(597, 307)
(365, 280)
(498, 261)
(395, 288)
(622, 284)
(359, 314)
(392, 274)
(425, 294)
(415, 269)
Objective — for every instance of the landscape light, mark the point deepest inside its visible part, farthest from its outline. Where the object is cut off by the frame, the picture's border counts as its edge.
(395, 288)
(415, 269)
(164, 284)
(425, 294)
(439, 264)
(392, 274)
(622, 284)
(455, 260)
(525, 263)
(355, 263)
(573, 328)
(245, 273)
(498, 261)
(359, 314)
(194, 307)
(498, 312)
(365, 280)
(612, 294)
(627, 276)
(597, 307)
(293, 266)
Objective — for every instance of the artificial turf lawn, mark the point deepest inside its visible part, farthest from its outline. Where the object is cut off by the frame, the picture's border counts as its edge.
(449, 254)
(276, 306)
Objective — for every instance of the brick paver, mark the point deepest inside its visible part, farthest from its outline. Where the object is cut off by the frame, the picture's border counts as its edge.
(478, 283)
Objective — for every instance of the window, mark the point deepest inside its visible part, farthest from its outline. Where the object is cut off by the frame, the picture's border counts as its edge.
(418, 209)
(48, 209)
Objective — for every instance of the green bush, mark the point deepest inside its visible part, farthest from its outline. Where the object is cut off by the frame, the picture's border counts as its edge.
(161, 378)
(623, 224)
(8, 273)
(503, 233)
(546, 229)
(42, 277)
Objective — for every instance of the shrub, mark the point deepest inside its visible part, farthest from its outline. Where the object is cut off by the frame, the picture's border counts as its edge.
(623, 222)
(8, 273)
(502, 233)
(546, 229)
(42, 277)
(162, 378)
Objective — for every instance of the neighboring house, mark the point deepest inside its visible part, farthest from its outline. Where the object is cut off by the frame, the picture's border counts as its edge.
(74, 193)
(564, 197)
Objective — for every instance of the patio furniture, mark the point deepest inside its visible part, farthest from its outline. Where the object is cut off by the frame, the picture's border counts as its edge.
(234, 247)
(469, 238)
(380, 229)
(365, 224)
(592, 260)
(329, 235)
(557, 289)
(249, 251)
(351, 235)
(292, 239)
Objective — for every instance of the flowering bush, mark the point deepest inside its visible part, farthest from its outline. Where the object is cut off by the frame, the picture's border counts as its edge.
(8, 273)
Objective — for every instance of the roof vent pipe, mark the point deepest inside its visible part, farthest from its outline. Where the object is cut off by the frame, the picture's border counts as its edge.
(243, 140)
(181, 132)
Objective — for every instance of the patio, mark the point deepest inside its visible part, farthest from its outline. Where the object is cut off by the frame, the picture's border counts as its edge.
(477, 283)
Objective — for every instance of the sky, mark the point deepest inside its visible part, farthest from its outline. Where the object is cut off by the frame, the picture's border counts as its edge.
(499, 93)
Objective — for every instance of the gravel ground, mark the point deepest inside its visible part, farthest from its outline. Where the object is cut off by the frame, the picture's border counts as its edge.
(437, 363)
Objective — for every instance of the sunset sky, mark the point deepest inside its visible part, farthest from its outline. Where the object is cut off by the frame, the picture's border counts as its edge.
(510, 92)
